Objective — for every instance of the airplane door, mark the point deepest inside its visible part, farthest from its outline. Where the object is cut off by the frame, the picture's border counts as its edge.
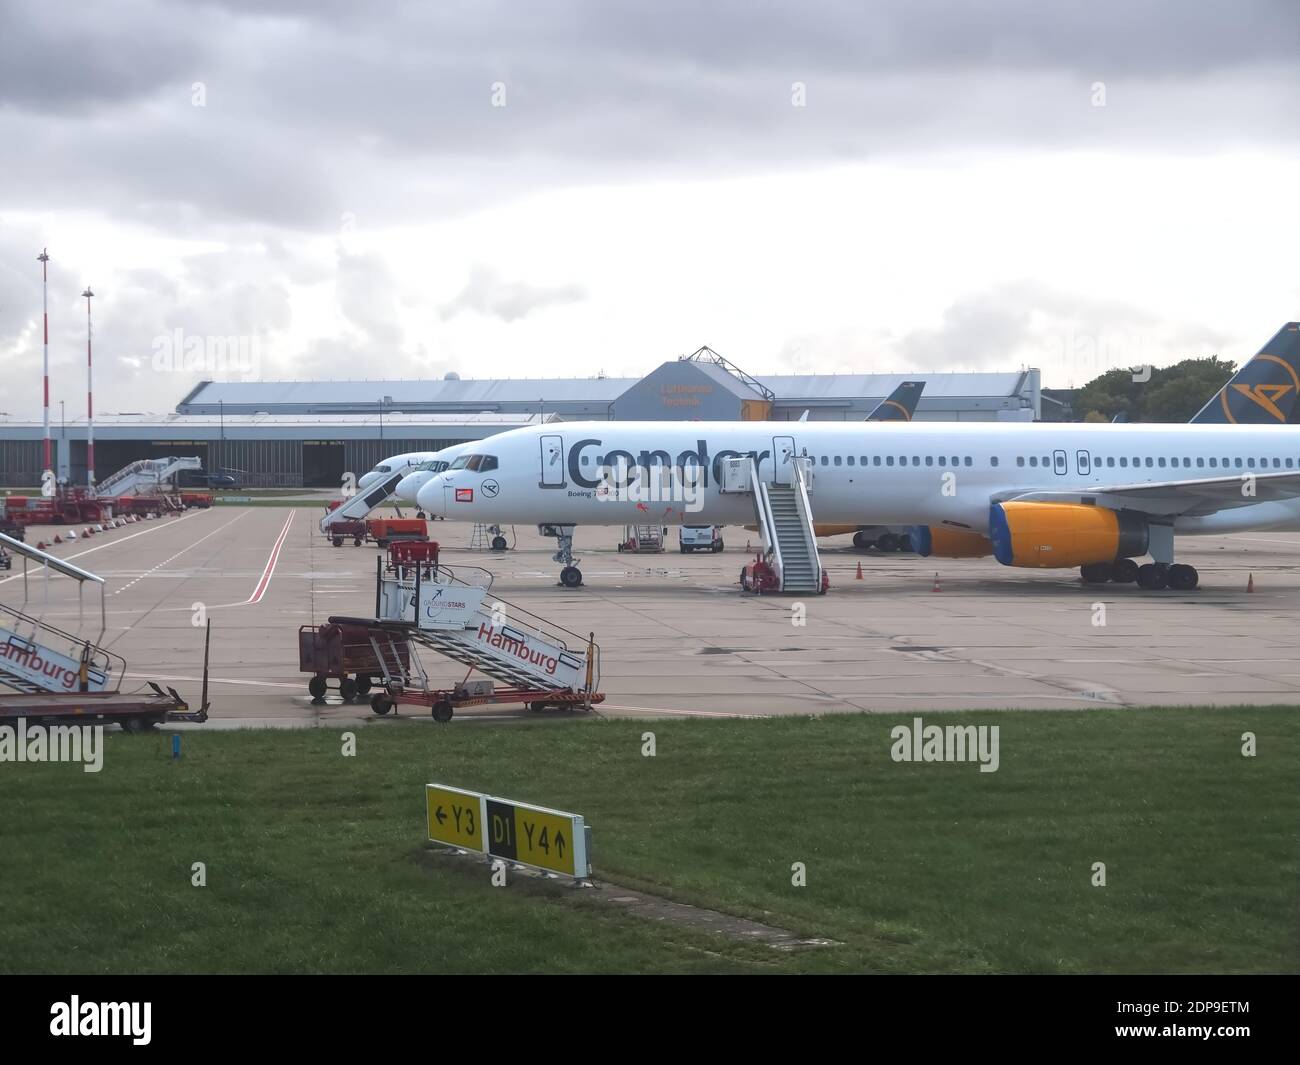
(783, 459)
(552, 462)
(1058, 463)
(1084, 461)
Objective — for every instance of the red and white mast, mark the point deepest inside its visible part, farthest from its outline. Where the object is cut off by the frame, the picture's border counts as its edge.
(44, 259)
(90, 400)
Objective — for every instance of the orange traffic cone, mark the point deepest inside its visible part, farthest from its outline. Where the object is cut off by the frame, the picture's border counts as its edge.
(40, 545)
(1250, 584)
(859, 574)
(58, 539)
(935, 587)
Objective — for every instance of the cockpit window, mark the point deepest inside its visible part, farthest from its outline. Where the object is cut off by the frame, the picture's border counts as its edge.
(477, 463)
(384, 469)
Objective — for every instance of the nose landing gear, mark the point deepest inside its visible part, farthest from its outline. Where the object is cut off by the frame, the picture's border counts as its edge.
(570, 575)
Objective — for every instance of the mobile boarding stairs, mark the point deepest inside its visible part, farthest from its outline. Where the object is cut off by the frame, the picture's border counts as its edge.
(146, 477)
(788, 562)
(49, 674)
(450, 612)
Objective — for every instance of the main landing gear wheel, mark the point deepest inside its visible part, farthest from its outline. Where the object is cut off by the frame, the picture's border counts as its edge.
(1153, 577)
(1123, 571)
(571, 576)
(886, 542)
(1095, 572)
(442, 711)
(1183, 578)
(499, 543)
(348, 689)
(380, 703)
(317, 687)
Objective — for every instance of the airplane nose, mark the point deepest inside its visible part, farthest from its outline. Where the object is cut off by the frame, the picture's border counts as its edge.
(430, 498)
(409, 486)
(367, 479)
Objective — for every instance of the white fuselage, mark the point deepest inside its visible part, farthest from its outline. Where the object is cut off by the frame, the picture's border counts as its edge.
(394, 464)
(887, 473)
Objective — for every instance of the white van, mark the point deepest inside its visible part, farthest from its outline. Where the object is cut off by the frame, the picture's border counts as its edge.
(700, 537)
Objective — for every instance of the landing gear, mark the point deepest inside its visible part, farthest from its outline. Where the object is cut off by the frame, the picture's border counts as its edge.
(1183, 578)
(499, 543)
(1123, 571)
(886, 542)
(1153, 577)
(570, 575)
(1096, 572)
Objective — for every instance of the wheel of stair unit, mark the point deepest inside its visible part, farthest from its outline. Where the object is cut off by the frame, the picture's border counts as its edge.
(442, 711)
(536, 708)
(317, 687)
(364, 684)
(348, 689)
(337, 541)
(499, 543)
(380, 703)
(356, 541)
(718, 547)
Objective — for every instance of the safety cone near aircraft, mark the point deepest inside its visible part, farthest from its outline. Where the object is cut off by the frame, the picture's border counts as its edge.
(858, 576)
(1250, 584)
(935, 587)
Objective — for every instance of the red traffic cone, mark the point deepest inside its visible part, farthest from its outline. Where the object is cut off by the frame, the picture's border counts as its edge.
(58, 539)
(859, 573)
(40, 545)
(1250, 584)
(935, 587)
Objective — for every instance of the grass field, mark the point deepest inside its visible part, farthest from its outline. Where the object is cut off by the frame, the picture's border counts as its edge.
(317, 862)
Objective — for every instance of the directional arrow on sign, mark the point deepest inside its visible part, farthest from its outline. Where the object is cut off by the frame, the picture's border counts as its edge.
(559, 843)
(440, 815)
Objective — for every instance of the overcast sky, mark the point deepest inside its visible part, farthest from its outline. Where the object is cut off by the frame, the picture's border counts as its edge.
(555, 188)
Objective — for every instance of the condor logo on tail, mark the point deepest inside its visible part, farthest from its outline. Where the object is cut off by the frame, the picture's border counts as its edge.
(1266, 396)
(1265, 390)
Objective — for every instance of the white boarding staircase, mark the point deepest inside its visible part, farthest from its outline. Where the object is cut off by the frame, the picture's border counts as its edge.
(459, 620)
(362, 503)
(145, 476)
(783, 513)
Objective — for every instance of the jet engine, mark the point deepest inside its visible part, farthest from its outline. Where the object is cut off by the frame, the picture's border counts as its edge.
(1058, 535)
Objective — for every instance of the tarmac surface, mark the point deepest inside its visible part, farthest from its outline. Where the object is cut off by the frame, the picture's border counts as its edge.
(677, 636)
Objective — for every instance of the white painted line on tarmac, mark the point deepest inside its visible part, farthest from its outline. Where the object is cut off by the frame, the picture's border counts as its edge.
(182, 551)
(114, 543)
(661, 710)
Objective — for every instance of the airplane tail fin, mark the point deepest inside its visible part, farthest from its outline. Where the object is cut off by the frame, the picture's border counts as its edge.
(901, 404)
(1265, 390)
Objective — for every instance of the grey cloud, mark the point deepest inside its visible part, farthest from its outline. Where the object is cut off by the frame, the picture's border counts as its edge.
(315, 109)
(489, 294)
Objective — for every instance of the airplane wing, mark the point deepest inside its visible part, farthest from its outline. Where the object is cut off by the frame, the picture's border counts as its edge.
(1176, 498)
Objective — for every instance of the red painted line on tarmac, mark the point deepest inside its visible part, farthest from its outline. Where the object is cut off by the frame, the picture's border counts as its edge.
(267, 573)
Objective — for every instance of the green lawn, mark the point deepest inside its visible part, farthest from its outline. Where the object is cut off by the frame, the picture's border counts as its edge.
(317, 862)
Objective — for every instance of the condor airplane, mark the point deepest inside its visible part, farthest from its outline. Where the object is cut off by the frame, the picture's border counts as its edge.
(1044, 495)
